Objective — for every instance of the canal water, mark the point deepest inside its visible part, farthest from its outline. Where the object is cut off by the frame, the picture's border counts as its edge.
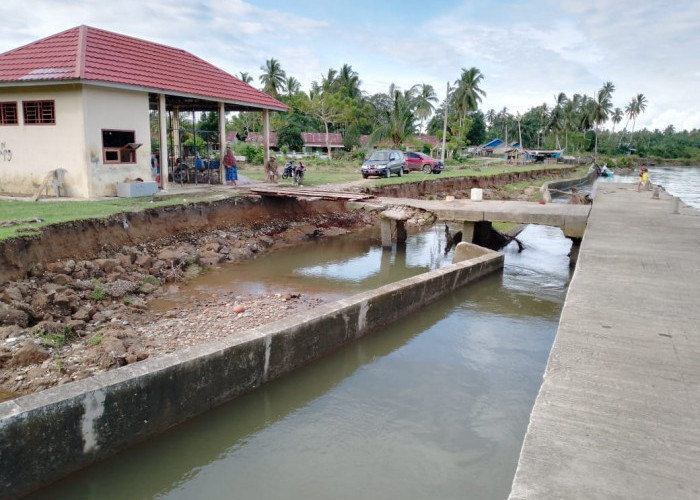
(434, 406)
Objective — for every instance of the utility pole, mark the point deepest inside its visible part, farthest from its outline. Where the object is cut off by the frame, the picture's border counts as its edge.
(444, 125)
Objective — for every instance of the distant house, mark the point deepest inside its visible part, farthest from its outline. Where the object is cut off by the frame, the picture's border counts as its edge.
(414, 143)
(314, 142)
(80, 100)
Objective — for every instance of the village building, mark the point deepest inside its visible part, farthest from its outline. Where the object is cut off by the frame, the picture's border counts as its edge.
(79, 103)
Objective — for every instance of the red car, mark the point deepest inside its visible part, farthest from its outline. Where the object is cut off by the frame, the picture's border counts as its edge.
(420, 161)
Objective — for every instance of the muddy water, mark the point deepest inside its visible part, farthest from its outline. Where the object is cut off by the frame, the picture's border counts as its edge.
(331, 268)
(435, 406)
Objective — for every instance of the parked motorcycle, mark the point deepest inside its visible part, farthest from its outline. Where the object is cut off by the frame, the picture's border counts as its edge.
(288, 169)
(299, 173)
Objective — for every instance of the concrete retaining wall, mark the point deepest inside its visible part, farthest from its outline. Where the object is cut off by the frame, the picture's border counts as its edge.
(47, 435)
(565, 184)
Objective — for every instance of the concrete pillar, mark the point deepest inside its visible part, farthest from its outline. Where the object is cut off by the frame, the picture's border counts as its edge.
(176, 132)
(482, 233)
(163, 149)
(575, 248)
(400, 231)
(266, 135)
(468, 232)
(675, 205)
(222, 142)
(386, 232)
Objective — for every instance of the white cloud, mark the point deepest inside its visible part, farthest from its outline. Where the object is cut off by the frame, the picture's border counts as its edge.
(527, 51)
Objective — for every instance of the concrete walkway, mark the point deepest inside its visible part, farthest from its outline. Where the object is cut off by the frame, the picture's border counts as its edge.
(618, 413)
(570, 218)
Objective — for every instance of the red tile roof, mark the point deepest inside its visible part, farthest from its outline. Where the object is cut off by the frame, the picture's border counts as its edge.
(90, 54)
(318, 139)
(257, 138)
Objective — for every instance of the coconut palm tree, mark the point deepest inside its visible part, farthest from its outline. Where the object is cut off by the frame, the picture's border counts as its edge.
(246, 77)
(468, 93)
(397, 120)
(424, 96)
(640, 105)
(273, 77)
(349, 82)
(292, 85)
(601, 109)
(556, 117)
(615, 118)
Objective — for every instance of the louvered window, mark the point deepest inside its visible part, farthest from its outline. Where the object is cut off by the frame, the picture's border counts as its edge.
(8, 113)
(39, 113)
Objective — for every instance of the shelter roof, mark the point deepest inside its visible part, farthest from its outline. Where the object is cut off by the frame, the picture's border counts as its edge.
(92, 55)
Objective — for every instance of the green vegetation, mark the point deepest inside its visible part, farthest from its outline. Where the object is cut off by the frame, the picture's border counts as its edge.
(57, 211)
(95, 339)
(582, 124)
(98, 293)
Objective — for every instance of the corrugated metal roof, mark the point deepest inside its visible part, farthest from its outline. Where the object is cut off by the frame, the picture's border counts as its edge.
(91, 54)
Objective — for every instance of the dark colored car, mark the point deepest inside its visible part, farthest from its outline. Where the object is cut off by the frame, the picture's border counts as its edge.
(384, 162)
(423, 162)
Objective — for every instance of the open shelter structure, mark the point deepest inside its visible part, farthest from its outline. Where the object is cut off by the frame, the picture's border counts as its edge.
(81, 101)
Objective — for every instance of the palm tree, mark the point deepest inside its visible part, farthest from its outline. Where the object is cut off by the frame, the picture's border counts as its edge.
(273, 77)
(601, 109)
(491, 117)
(424, 96)
(349, 82)
(396, 121)
(556, 117)
(246, 77)
(292, 86)
(467, 92)
(640, 105)
(615, 118)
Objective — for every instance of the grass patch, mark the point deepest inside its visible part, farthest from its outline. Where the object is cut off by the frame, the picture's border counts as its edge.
(95, 339)
(53, 211)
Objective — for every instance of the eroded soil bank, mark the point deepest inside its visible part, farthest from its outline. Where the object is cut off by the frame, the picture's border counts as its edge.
(86, 311)
(74, 300)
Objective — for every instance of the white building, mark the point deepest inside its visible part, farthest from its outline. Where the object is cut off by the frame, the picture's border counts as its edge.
(80, 100)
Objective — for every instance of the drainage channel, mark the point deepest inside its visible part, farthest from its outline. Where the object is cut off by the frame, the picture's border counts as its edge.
(435, 405)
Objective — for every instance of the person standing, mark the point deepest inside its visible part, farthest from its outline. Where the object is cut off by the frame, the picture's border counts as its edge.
(231, 167)
(271, 170)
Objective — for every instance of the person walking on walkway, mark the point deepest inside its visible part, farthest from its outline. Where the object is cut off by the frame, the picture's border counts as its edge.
(231, 167)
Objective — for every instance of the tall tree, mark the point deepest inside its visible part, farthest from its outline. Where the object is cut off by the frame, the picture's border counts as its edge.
(468, 93)
(292, 86)
(602, 107)
(273, 77)
(246, 77)
(396, 120)
(640, 105)
(348, 82)
(424, 96)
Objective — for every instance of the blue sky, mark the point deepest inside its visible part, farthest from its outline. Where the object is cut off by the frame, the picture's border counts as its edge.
(528, 51)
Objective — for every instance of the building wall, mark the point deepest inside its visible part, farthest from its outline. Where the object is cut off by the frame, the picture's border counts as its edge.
(107, 108)
(29, 152)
